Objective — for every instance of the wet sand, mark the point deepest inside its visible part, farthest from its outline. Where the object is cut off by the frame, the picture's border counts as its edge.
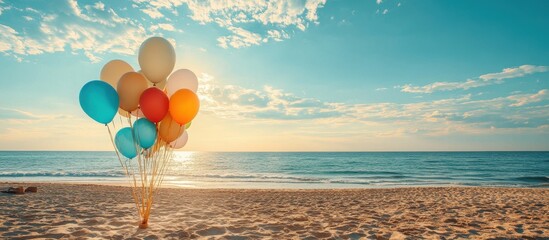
(95, 211)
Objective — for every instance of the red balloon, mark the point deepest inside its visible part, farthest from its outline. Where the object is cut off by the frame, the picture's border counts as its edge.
(154, 104)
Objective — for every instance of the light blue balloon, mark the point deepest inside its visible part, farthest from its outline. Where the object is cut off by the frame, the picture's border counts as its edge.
(145, 132)
(125, 143)
(99, 100)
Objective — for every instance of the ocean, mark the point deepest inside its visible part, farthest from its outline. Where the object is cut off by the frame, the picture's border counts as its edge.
(293, 169)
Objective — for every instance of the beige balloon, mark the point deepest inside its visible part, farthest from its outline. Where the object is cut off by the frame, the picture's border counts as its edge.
(156, 58)
(169, 130)
(113, 70)
(129, 89)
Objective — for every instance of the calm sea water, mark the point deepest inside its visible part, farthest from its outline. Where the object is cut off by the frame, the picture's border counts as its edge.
(295, 170)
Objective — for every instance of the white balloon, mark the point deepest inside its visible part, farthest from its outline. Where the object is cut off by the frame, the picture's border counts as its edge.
(180, 79)
(180, 141)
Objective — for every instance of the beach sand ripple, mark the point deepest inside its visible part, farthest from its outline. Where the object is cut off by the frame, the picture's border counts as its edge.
(93, 211)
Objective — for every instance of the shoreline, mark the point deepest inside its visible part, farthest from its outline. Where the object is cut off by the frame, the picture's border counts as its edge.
(358, 187)
(101, 211)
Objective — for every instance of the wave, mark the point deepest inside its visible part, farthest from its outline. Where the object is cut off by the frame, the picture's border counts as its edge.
(358, 172)
(536, 179)
(63, 174)
(251, 176)
(348, 177)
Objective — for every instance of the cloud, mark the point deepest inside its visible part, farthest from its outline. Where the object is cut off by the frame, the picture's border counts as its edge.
(524, 99)
(235, 102)
(153, 13)
(163, 26)
(92, 30)
(17, 116)
(463, 114)
(240, 38)
(277, 35)
(96, 28)
(483, 80)
(240, 17)
(514, 72)
(99, 6)
(22, 129)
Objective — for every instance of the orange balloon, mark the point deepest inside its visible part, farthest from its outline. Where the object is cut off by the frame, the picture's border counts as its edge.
(169, 130)
(129, 89)
(184, 106)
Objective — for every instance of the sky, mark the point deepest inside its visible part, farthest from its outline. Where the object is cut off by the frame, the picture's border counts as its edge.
(291, 75)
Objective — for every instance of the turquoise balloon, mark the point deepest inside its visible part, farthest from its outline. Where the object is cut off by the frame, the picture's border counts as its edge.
(145, 132)
(99, 100)
(125, 143)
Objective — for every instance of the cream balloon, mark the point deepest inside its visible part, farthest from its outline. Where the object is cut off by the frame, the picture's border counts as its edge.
(181, 141)
(180, 79)
(156, 58)
(129, 89)
(113, 70)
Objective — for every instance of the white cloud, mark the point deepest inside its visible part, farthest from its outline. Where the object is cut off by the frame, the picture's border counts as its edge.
(153, 13)
(17, 116)
(524, 99)
(385, 11)
(483, 80)
(439, 117)
(514, 72)
(163, 26)
(78, 12)
(236, 16)
(240, 38)
(99, 6)
(91, 30)
(95, 29)
(3, 8)
(379, 1)
(277, 35)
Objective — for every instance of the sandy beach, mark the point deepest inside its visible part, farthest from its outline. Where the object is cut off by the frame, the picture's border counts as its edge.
(95, 211)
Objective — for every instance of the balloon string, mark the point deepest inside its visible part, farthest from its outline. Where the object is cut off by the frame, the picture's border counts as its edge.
(122, 165)
(113, 145)
(139, 165)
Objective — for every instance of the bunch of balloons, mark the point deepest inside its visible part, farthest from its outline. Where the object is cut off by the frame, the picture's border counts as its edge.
(158, 106)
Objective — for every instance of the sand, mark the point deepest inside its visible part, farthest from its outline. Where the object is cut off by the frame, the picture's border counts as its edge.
(94, 211)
